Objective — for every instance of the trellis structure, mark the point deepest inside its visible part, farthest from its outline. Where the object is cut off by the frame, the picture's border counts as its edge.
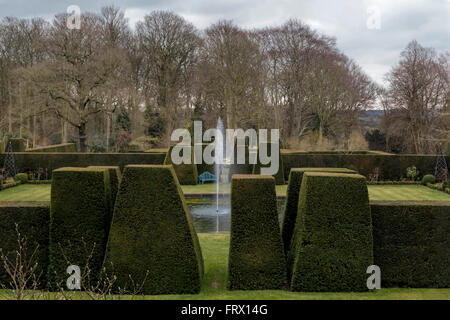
(9, 167)
(441, 169)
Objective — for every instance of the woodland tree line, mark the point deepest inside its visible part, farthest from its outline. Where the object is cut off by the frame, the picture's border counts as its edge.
(107, 85)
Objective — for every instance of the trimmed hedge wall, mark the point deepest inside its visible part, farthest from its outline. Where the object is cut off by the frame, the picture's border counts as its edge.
(412, 243)
(279, 176)
(291, 205)
(32, 219)
(332, 243)
(79, 221)
(114, 179)
(17, 144)
(29, 161)
(392, 167)
(64, 147)
(187, 173)
(256, 259)
(152, 232)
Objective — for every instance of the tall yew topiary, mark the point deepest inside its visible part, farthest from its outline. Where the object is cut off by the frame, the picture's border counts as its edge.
(114, 179)
(332, 244)
(256, 259)
(152, 237)
(291, 206)
(79, 221)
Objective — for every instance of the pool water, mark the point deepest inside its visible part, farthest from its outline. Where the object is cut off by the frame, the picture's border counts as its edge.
(206, 219)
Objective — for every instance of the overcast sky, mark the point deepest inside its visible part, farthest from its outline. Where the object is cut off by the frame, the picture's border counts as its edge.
(374, 43)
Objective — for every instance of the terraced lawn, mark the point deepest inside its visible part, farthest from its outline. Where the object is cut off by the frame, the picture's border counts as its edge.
(29, 192)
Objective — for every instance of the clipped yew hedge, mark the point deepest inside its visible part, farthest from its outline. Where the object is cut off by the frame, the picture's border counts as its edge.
(291, 205)
(114, 179)
(412, 243)
(279, 176)
(31, 161)
(391, 167)
(64, 147)
(79, 221)
(17, 144)
(187, 173)
(332, 243)
(152, 234)
(256, 259)
(32, 219)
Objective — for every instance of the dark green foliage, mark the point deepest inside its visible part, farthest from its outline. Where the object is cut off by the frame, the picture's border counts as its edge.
(412, 243)
(279, 176)
(391, 167)
(152, 232)
(114, 179)
(291, 205)
(22, 177)
(376, 140)
(79, 221)
(17, 144)
(332, 244)
(65, 147)
(187, 173)
(256, 260)
(30, 161)
(2, 147)
(32, 219)
(428, 178)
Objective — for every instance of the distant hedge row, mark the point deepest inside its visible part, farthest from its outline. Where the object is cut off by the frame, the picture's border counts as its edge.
(391, 167)
(17, 144)
(64, 147)
(29, 161)
(412, 243)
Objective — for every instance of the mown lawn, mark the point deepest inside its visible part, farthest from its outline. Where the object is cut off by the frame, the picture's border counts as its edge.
(215, 254)
(29, 192)
(405, 192)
